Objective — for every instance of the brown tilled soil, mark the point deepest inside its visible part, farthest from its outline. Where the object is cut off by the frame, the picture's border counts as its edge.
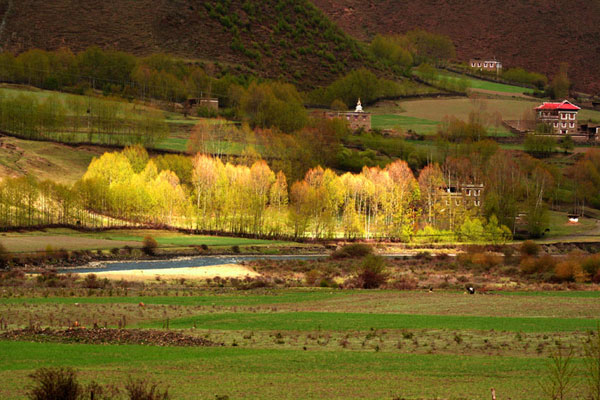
(107, 336)
(537, 35)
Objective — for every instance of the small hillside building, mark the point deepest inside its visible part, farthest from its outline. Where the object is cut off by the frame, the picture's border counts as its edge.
(357, 119)
(561, 116)
(192, 105)
(488, 65)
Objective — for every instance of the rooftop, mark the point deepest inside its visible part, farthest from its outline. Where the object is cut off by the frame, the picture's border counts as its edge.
(564, 105)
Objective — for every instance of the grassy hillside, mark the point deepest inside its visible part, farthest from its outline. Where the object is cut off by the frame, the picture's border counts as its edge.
(535, 35)
(274, 38)
(57, 162)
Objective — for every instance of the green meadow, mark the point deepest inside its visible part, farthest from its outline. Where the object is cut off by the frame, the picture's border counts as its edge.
(323, 343)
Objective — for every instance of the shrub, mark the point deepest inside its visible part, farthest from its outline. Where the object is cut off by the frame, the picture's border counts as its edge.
(372, 272)
(591, 265)
(568, 270)
(3, 256)
(91, 281)
(487, 259)
(140, 389)
(508, 252)
(354, 250)
(235, 249)
(532, 265)
(55, 384)
(311, 277)
(404, 283)
(149, 245)
(527, 265)
(529, 248)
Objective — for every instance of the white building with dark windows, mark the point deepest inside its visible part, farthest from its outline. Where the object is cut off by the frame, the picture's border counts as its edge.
(489, 65)
(561, 116)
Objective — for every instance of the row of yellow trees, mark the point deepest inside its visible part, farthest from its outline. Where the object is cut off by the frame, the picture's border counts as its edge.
(248, 199)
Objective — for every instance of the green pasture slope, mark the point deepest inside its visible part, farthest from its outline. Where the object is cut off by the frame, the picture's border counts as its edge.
(475, 83)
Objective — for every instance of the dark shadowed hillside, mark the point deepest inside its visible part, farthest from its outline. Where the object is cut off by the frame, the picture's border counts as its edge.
(537, 35)
(274, 38)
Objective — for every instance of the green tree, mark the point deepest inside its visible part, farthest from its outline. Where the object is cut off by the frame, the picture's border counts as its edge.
(560, 85)
(567, 143)
(137, 156)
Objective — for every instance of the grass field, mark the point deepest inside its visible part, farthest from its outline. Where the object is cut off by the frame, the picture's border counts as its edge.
(57, 162)
(272, 344)
(276, 374)
(423, 116)
(304, 321)
(559, 226)
(179, 144)
(394, 121)
(74, 240)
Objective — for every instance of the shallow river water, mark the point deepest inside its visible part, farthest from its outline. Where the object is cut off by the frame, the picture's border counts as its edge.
(180, 262)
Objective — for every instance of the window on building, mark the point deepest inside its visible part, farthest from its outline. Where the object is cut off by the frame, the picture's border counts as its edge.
(572, 124)
(556, 124)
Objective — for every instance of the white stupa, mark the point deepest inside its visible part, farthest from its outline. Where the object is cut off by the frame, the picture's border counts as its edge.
(358, 107)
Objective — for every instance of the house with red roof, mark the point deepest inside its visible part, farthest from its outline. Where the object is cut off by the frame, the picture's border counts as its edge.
(561, 116)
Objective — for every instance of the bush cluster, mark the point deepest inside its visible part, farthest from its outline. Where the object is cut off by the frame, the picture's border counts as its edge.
(354, 250)
(571, 268)
(62, 384)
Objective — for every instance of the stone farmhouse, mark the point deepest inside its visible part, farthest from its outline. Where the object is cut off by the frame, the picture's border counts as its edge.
(467, 194)
(561, 116)
(489, 65)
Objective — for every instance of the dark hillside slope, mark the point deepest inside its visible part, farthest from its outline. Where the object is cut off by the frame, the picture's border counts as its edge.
(535, 34)
(287, 38)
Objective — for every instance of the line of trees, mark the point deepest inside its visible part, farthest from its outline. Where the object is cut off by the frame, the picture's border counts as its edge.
(158, 76)
(24, 201)
(80, 119)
